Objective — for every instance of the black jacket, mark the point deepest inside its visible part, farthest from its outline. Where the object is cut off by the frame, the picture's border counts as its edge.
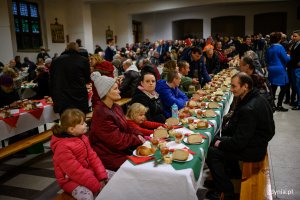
(295, 57)
(69, 75)
(251, 126)
(155, 112)
(130, 83)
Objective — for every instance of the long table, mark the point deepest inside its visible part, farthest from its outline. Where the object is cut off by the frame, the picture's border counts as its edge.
(27, 122)
(167, 182)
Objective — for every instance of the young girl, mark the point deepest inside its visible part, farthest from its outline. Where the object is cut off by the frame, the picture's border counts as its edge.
(77, 167)
(136, 119)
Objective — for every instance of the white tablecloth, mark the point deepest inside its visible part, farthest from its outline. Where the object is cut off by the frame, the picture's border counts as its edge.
(145, 182)
(27, 122)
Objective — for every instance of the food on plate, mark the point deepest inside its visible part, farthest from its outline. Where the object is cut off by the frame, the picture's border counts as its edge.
(144, 151)
(218, 99)
(201, 92)
(219, 93)
(202, 124)
(180, 154)
(160, 133)
(213, 105)
(192, 104)
(194, 139)
(172, 121)
(184, 121)
(210, 113)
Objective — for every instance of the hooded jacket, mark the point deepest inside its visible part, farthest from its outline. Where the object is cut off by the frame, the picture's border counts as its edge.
(169, 96)
(76, 163)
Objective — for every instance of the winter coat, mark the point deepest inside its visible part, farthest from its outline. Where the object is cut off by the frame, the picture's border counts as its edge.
(277, 59)
(147, 127)
(295, 56)
(69, 74)
(155, 112)
(130, 82)
(111, 136)
(251, 126)
(76, 163)
(169, 96)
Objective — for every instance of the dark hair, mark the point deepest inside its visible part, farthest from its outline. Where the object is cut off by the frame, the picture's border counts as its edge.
(246, 36)
(69, 118)
(297, 32)
(275, 37)
(147, 69)
(248, 60)
(171, 65)
(196, 50)
(181, 64)
(171, 75)
(244, 79)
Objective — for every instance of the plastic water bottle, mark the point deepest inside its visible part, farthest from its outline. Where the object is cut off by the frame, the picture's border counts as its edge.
(175, 111)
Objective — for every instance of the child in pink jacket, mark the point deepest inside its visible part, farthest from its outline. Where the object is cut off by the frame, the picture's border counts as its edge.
(77, 167)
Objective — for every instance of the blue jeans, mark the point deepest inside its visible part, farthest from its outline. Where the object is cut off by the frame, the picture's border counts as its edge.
(296, 77)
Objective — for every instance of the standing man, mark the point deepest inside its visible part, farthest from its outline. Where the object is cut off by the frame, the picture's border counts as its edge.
(197, 66)
(109, 51)
(69, 74)
(82, 50)
(295, 65)
(248, 133)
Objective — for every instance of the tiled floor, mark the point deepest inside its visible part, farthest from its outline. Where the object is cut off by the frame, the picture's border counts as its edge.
(33, 177)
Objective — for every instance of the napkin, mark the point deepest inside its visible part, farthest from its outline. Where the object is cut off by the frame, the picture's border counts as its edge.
(12, 121)
(139, 160)
(37, 112)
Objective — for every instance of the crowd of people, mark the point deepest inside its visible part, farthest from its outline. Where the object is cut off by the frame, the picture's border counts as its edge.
(156, 76)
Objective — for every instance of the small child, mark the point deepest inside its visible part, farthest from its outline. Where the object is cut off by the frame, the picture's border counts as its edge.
(77, 168)
(136, 119)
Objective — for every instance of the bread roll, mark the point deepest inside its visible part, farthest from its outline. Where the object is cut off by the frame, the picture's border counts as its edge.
(194, 139)
(161, 133)
(172, 121)
(213, 105)
(202, 124)
(144, 151)
(210, 113)
(180, 154)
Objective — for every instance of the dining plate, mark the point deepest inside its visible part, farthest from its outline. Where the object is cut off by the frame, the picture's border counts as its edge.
(209, 126)
(185, 140)
(134, 153)
(189, 159)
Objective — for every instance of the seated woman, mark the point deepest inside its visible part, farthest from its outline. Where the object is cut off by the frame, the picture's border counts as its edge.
(111, 136)
(8, 94)
(136, 119)
(146, 95)
(42, 79)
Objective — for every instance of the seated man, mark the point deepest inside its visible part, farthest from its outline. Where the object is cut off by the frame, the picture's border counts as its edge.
(251, 128)
(186, 81)
(131, 79)
(169, 93)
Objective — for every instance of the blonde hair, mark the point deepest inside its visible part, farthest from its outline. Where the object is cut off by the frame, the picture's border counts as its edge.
(98, 58)
(134, 110)
(69, 118)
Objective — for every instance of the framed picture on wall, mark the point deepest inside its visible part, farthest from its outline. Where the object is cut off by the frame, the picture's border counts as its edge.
(57, 32)
(109, 34)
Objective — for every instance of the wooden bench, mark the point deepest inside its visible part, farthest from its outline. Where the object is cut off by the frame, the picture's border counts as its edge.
(123, 101)
(256, 182)
(63, 196)
(25, 143)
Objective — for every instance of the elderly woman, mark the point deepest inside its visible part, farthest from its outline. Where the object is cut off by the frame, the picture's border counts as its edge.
(146, 95)
(110, 135)
(276, 59)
